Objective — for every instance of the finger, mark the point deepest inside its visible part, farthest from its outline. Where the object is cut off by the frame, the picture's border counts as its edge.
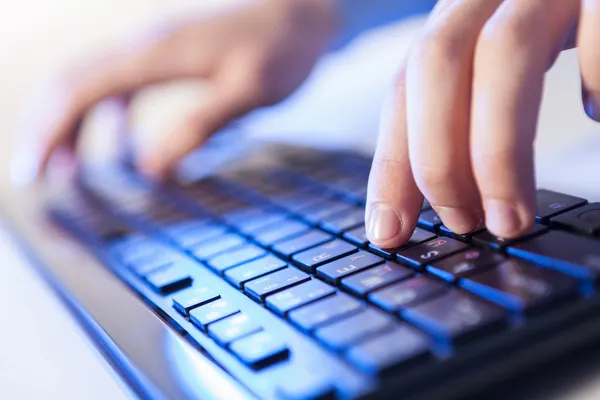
(115, 75)
(589, 56)
(393, 199)
(229, 102)
(439, 98)
(510, 62)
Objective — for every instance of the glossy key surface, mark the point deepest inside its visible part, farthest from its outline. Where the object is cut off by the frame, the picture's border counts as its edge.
(357, 236)
(486, 238)
(575, 255)
(297, 296)
(170, 279)
(310, 259)
(375, 278)
(465, 263)
(300, 243)
(232, 328)
(521, 286)
(430, 251)
(218, 245)
(340, 335)
(585, 219)
(204, 315)
(253, 269)
(280, 231)
(400, 347)
(407, 293)
(191, 298)
(260, 350)
(551, 203)
(456, 316)
(325, 311)
(419, 236)
(430, 220)
(235, 257)
(346, 220)
(334, 271)
(260, 288)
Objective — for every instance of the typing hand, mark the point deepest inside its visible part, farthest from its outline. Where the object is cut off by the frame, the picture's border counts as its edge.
(462, 128)
(253, 56)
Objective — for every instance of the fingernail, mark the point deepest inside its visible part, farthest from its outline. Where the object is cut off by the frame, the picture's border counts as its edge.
(460, 221)
(591, 103)
(384, 223)
(502, 218)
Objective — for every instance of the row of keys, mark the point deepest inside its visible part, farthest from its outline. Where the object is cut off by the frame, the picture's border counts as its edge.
(229, 327)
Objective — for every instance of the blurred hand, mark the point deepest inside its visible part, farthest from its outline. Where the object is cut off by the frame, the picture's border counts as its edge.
(465, 115)
(253, 56)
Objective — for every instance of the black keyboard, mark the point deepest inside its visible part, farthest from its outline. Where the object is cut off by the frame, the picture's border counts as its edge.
(268, 269)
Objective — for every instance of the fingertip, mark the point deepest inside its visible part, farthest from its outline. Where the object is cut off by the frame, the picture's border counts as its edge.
(154, 167)
(507, 219)
(386, 227)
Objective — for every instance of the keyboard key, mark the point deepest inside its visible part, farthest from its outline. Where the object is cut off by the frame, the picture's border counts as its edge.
(463, 264)
(259, 222)
(141, 249)
(419, 236)
(260, 350)
(325, 311)
(456, 316)
(197, 236)
(311, 385)
(465, 237)
(280, 231)
(357, 236)
(551, 203)
(486, 238)
(584, 219)
(324, 209)
(578, 256)
(235, 257)
(298, 201)
(375, 278)
(342, 334)
(212, 312)
(260, 288)
(407, 293)
(184, 226)
(400, 347)
(218, 245)
(253, 269)
(232, 328)
(192, 298)
(430, 220)
(300, 243)
(310, 259)
(335, 271)
(294, 297)
(339, 223)
(146, 265)
(431, 251)
(522, 287)
(170, 279)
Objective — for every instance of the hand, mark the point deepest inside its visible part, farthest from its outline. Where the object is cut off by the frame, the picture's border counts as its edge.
(253, 56)
(465, 115)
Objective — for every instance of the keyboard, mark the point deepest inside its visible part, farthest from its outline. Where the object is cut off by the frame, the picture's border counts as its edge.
(266, 268)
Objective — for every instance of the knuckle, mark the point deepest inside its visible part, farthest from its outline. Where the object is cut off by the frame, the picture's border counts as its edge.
(505, 34)
(438, 48)
(432, 178)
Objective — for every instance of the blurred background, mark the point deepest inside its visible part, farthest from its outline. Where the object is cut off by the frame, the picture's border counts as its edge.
(342, 98)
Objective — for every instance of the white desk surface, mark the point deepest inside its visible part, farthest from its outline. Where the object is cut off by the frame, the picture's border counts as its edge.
(43, 353)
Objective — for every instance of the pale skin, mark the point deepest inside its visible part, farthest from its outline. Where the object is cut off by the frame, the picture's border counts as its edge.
(460, 132)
